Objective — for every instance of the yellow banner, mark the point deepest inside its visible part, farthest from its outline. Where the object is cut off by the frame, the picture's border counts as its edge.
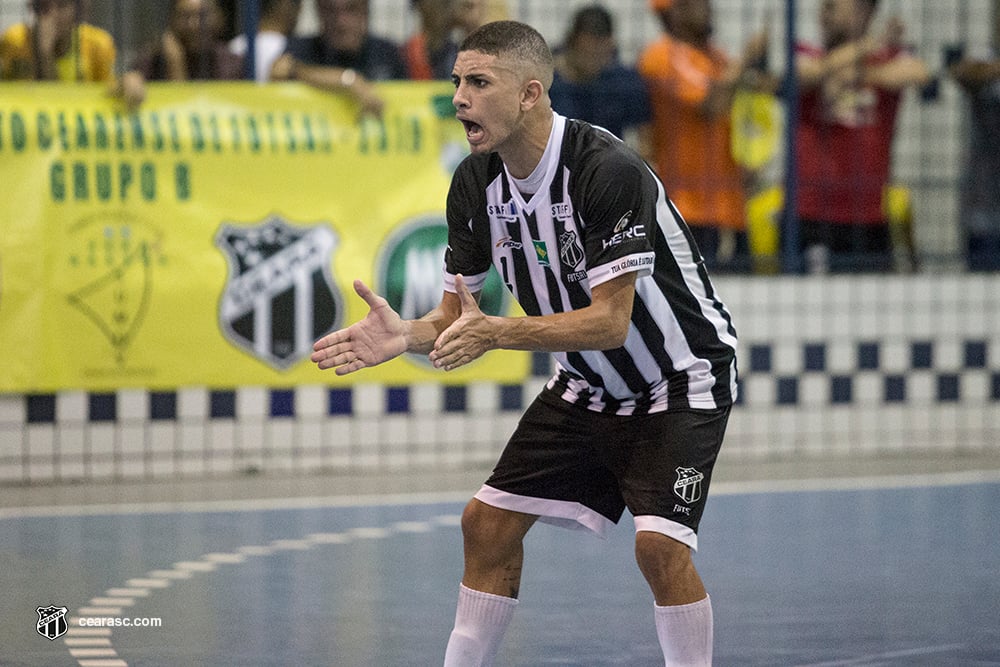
(209, 238)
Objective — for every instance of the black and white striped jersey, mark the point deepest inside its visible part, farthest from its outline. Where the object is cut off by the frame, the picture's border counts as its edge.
(599, 212)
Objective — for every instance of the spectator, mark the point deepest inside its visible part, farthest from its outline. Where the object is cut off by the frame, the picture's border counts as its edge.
(469, 15)
(59, 46)
(850, 93)
(979, 76)
(344, 57)
(191, 48)
(591, 83)
(691, 86)
(430, 52)
(277, 21)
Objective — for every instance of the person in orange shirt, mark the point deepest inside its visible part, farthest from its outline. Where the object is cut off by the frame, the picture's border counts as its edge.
(58, 46)
(691, 85)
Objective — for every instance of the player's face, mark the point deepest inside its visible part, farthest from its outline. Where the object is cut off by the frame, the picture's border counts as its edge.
(487, 100)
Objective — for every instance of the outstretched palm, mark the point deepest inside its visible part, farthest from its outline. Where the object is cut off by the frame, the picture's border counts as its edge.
(379, 337)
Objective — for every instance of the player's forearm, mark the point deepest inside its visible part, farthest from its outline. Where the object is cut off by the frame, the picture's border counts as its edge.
(603, 325)
(422, 333)
(585, 329)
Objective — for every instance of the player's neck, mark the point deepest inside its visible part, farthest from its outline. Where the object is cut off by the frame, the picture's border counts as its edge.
(527, 151)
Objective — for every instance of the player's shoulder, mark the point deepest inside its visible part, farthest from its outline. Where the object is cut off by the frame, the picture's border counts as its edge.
(591, 148)
(470, 181)
(478, 169)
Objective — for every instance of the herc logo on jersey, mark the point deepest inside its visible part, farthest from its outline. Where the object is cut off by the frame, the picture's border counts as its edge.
(410, 274)
(280, 295)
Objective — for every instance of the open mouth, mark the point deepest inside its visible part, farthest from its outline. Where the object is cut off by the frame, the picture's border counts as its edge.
(473, 131)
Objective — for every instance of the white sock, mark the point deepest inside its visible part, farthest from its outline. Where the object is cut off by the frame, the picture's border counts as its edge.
(480, 623)
(685, 633)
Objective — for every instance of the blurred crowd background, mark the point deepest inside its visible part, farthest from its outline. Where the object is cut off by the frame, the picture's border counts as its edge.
(934, 213)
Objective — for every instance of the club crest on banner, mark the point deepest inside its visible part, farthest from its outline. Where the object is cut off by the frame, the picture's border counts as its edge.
(688, 484)
(280, 295)
(51, 622)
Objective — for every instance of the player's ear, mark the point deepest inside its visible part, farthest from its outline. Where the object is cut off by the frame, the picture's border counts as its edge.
(532, 93)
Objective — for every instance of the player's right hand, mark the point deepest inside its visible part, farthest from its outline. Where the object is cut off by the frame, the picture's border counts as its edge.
(379, 337)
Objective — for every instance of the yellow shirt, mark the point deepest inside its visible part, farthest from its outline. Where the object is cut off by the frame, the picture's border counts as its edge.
(91, 58)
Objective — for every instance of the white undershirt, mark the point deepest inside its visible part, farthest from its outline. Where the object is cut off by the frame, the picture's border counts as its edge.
(530, 185)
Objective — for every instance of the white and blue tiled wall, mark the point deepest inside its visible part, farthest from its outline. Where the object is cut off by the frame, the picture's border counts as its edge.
(829, 366)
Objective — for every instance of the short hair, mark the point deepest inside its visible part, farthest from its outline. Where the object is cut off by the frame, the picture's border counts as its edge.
(515, 40)
(592, 20)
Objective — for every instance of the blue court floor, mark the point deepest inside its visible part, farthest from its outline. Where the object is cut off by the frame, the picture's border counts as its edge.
(859, 571)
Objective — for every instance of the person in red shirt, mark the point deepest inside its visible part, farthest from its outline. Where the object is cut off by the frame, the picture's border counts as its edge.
(850, 92)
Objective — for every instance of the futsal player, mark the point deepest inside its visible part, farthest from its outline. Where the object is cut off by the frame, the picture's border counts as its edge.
(613, 286)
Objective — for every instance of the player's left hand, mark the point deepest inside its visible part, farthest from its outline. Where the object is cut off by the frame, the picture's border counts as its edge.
(468, 337)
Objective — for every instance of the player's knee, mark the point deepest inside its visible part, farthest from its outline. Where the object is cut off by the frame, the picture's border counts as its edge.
(661, 557)
(487, 528)
(479, 522)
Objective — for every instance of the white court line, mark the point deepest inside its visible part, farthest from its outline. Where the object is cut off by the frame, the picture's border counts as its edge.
(93, 653)
(868, 659)
(907, 481)
(87, 641)
(917, 480)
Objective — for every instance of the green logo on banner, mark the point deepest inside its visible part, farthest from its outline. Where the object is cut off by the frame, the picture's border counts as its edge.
(410, 266)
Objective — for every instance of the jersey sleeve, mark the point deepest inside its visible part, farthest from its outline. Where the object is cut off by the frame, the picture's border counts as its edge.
(464, 254)
(618, 214)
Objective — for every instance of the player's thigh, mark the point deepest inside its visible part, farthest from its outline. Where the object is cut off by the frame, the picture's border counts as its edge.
(665, 465)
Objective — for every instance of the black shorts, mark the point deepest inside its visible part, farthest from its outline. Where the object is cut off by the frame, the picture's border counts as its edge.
(578, 468)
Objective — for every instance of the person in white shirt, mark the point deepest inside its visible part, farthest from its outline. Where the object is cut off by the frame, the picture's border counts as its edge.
(277, 21)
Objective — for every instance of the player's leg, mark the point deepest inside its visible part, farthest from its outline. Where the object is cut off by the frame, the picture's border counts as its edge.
(682, 609)
(668, 568)
(494, 548)
(665, 470)
(547, 470)
(494, 551)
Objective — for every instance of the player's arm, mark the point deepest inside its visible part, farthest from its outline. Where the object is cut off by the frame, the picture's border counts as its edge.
(382, 335)
(603, 325)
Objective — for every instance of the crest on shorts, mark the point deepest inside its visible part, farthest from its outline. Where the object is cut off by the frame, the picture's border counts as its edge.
(280, 295)
(51, 621)
(688, 484)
